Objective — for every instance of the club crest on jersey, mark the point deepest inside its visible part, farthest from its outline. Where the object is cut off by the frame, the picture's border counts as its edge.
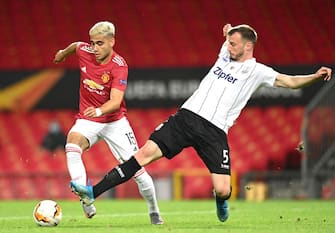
(105, 78)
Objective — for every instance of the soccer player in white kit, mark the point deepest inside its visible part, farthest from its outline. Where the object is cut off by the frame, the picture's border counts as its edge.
(102, 111)
(204, 120)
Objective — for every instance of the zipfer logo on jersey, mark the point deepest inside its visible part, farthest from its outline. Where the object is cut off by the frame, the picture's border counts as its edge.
(220, 74)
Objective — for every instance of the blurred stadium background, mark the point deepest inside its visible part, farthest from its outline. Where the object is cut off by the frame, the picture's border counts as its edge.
(169, 45)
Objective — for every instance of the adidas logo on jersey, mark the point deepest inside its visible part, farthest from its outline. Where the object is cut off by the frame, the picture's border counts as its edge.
(220, 74)
(118, 60)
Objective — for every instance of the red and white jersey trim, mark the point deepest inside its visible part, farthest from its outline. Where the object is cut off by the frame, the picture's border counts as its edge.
(87, 48)
(118, 60)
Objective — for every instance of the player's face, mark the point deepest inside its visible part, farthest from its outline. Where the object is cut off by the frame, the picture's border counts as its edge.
(102, 47)
(236, 47)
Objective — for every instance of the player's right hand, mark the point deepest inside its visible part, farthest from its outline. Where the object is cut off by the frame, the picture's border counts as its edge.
(59, 57)
(226, 28)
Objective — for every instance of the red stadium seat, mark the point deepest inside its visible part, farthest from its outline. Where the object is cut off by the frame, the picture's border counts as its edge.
(257, 135)
(260, 140)
(167, 33)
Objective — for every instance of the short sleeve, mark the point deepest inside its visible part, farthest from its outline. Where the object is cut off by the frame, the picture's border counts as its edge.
(120, 77)
(268, 75)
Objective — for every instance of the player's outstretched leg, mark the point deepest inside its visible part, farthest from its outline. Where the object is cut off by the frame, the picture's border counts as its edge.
(147, 190)
(222, 210)
(84, 192)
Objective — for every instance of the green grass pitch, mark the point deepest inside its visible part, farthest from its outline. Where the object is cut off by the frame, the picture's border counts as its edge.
(180, 216)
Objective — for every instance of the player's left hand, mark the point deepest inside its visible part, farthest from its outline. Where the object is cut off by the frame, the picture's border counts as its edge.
(325, 73)
(90, 112)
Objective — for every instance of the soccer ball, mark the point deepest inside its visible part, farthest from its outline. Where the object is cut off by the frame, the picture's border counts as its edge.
(47, 213)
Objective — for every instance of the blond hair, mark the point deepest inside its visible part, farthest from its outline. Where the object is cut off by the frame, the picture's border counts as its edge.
(105, 28)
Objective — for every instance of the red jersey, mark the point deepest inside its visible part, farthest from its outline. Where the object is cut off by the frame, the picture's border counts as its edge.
(97, 80)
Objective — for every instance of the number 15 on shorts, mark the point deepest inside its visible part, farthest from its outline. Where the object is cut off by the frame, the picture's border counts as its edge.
(131, 138)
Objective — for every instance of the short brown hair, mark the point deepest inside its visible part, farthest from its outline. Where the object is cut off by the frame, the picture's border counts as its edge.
(247, 32)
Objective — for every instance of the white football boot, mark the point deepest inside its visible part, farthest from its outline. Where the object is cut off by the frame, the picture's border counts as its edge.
(89, 210)
(156, 219)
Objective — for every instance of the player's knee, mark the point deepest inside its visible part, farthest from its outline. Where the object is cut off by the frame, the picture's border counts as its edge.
(148, 153)
(78, 139)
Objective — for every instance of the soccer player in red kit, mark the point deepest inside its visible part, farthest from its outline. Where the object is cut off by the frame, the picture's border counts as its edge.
(102, 111)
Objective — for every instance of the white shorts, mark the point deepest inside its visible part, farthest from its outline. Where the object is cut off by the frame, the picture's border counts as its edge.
(118, 135)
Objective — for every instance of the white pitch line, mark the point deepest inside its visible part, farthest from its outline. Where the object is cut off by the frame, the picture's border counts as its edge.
(163, 213)
(116, 215)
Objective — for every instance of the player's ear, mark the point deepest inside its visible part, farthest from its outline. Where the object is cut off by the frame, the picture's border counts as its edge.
(112, 41)
(249, 46)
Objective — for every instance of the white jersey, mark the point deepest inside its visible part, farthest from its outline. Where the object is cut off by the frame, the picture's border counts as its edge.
(226, 89)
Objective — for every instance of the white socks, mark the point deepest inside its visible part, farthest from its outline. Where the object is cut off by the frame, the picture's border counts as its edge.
(142, 178)
(147, 190)
(75, 163)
